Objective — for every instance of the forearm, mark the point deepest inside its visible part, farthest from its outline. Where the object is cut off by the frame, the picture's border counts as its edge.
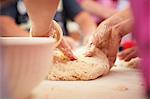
(41, 13)
(8, 27)
(86, 23)
(118, 17)
(97, 9)
(124, 27)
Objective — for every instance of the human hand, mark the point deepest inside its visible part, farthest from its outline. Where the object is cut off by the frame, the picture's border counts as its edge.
(128, 54)
(62, 44)
(71, 42)
(66, 49)
(107, 39)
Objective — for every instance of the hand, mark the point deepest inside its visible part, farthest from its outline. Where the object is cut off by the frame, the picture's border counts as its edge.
(128, 54)
(66, 49)
(107, 39)
(56, 32)
(71, 42)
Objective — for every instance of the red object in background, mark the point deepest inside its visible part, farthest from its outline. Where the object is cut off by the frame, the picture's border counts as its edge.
(128, 44)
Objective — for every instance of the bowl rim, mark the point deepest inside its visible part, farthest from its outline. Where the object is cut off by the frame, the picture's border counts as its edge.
(26, 40)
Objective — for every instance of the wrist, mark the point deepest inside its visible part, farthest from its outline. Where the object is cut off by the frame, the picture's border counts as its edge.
(39, 30)
(53, 31)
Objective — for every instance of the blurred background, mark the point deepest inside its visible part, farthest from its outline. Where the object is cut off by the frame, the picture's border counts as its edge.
(77, 18)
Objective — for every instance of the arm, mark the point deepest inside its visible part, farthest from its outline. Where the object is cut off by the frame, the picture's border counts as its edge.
(121, 21)
(124, 27)
(74, 12)
(119, 17)
(108, 35)
(85, 22)
(13, 29)
(41, 13)
(97, 9)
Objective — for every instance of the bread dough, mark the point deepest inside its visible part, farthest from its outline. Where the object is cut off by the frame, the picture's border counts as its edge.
(133, 63)
(84, 68)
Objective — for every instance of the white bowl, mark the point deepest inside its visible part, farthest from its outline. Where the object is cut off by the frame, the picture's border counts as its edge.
(26, 61)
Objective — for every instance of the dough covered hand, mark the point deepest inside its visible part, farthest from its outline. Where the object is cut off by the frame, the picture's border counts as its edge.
(107, 39)
(66, 49)
(56, 32)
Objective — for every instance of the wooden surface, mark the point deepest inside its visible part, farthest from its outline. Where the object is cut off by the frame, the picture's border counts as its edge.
(120, 83)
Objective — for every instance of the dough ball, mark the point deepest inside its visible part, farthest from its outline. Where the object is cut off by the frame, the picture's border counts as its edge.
(84, 68)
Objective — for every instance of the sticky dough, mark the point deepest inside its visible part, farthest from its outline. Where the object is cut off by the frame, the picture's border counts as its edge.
(84, 68)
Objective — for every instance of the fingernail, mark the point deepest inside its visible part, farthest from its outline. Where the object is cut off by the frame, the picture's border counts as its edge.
(72, 58)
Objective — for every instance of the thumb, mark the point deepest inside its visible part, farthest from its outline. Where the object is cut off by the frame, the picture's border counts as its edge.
(90, 50)
(91, 46)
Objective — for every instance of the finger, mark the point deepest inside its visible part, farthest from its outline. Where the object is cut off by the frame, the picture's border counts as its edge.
(124, 53)
(111, 61)
(95, 40)
(130, 56)
(90, 51)
(56, 32)
(65, 48)
(69, 54)
(71, 42)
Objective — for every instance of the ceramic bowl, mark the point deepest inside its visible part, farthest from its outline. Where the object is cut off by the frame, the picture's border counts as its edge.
(26, 62)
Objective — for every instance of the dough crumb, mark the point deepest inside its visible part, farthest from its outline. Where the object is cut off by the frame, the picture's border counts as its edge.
(121, 88)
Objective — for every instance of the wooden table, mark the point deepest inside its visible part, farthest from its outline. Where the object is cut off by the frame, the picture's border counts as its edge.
(120, 83)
